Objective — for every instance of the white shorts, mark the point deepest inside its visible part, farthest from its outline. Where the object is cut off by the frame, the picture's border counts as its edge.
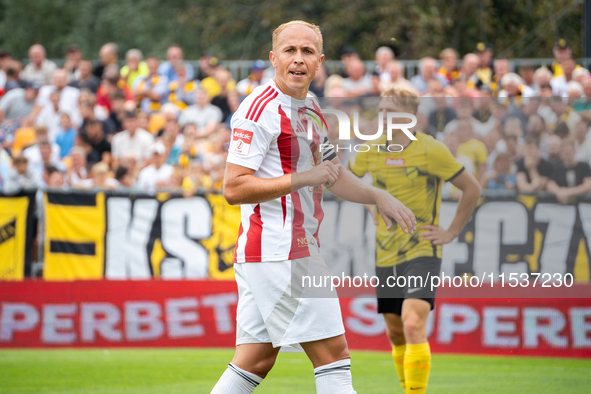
(267, 313)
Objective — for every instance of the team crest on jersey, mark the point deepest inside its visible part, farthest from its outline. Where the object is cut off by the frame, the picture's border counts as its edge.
(241, 140)
(395, 162)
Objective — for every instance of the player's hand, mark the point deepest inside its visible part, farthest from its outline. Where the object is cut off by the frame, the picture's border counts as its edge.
(390, 207)
(436, 234)
(325, 174)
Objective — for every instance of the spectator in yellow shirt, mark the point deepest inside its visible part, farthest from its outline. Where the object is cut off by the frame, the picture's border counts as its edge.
(211, 83)
(471, 147)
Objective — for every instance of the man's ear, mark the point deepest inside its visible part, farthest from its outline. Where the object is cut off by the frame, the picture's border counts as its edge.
(272, 58)
(320, 62)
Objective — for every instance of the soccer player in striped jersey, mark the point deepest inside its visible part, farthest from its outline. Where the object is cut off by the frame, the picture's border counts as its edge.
(414, 176)
(277, 174)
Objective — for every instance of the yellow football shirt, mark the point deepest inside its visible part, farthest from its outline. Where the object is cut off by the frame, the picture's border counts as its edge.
(476, 151)
(414, 177)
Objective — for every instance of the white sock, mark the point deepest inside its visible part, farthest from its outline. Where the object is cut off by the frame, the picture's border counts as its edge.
(334, 378)
(236, 381)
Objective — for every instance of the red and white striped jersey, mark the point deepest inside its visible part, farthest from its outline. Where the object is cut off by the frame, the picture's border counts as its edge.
(270, 136)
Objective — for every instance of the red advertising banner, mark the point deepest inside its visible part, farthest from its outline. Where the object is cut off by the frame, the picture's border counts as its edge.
(202, 314)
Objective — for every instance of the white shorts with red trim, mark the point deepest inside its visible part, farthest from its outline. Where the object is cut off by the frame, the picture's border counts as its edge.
(267, 312)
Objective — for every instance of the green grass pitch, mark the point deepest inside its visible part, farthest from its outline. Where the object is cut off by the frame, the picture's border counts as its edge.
(195, 371)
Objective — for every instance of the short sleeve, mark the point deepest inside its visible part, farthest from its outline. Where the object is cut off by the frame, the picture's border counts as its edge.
(585, 170)
(441, 162)
(249, 144)
(359, 164)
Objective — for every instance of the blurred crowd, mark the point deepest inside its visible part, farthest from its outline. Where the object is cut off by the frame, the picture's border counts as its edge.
(155, 124)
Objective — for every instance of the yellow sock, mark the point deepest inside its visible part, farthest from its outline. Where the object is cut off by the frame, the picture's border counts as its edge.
(398, 355)
(417, 364)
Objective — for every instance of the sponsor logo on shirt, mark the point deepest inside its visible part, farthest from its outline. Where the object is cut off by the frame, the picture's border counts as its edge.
(241, 140)
(395, 162)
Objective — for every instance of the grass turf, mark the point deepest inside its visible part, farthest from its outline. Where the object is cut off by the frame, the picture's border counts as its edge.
(195, 371)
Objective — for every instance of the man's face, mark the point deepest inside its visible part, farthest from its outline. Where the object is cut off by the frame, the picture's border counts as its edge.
(45, 150)
(152, 65)
(201, 98)
(567, 154)
(130, 124)
(531, 150)
(501, 67)
(60, 79)
(470, 65)
(30, 94)
(174, 55)
(394, 71)
(296, 58)
(21, 168)
(56, 179)
(78, 160)
(85, 69)
(428, 70)
(562, 53)
(581, 131)
(36, 55)
(449, 62)
(568, 66)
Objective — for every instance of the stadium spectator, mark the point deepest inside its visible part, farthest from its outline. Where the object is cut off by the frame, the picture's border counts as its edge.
(66, 135)
(563, 114)
(174, 56)
(542, 77)
(348, 55)
(533, 171)
(468, 72)
(5, 60)
(150, 90)
(49, 116)
(441, 115)
(20, 177)
(181, 91)
(449, 64)
(53, 177)
(560, 83)
(383, 56)
(100, 178)
(233, 104)
(132, 139)
(203, 114)
(223, 78)
(67, 94)
(100, 147)
(553, 149)
(18, 103)
(135, 66)
(13, 80)
(254, 79)
(485, 63)
(562, 50)
(357, 83)
(42, 154)
(464, 111)
(39, 69)
(501, 68)
(526, 72)
(86, 79)
(124, 177)
(471, 147)
(514, 89)
(396, 71)
(109, 85)
(73, 59)
(205, 69)
(428, 71)
(77, 170)
(317, 85)
(157, 174)
(536, 127)
(108, 55)
(570, 177)
(583, 142)
(213, 83)
(501, 177)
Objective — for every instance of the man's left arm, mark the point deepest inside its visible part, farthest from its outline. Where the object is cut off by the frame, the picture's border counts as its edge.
(350, 188)
(470, 193)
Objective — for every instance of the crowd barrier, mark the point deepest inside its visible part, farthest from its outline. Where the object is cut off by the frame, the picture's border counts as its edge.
(115, 235)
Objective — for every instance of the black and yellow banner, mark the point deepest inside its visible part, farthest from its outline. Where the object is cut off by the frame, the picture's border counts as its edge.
(127, 236)
(17, 229)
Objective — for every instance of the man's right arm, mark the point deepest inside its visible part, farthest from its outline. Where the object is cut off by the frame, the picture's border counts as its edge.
(241, 186)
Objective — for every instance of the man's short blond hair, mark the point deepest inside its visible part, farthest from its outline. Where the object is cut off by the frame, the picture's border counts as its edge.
(284, 26)
(403, 97)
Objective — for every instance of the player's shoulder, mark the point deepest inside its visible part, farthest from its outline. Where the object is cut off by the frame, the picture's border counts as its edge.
(261, 105)
(430, 144)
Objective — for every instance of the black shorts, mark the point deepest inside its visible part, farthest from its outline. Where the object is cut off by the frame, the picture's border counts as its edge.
(390, 298)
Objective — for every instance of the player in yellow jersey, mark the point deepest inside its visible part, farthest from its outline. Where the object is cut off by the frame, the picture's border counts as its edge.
(414, 176)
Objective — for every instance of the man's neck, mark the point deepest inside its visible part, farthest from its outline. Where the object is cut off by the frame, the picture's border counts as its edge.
(299, 94)
(571, 164)
(400, 138)
(132, 132)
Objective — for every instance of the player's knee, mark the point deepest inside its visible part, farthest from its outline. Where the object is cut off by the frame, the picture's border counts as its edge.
(414, 328)
(263, 366)
(396, 334)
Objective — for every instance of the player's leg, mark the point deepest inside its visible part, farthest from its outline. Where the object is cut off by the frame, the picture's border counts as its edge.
(251, 363)
(332, 365)
(395, 332)
(390, 306)
(419, 300)
(417, 358)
